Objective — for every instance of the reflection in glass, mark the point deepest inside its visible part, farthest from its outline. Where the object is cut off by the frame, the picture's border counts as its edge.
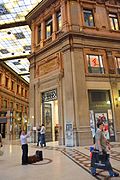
(114, 21)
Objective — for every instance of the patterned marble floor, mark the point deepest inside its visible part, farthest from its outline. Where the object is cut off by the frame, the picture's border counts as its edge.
(59, 163)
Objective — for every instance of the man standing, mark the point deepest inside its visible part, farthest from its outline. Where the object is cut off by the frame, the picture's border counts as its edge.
(23, 138)
(42, 138)
(101, 147)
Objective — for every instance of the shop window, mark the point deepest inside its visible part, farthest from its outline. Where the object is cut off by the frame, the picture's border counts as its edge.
(49, 27)
(117, 62)
(95, 64)
(39, 34)
(59, 21)
(114, 21)
(88, 17)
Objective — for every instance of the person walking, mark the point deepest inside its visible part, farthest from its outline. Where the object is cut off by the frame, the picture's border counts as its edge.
(42, 136)
(102, 146)
(23, 138)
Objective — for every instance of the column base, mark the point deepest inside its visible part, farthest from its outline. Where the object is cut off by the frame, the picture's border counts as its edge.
(83, 137)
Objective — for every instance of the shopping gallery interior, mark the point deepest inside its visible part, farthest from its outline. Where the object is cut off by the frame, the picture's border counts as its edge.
(59, 66)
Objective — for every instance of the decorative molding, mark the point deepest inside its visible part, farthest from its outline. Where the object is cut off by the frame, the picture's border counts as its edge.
(49, 64)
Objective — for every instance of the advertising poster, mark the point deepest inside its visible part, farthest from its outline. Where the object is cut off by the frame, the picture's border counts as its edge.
(104, 118)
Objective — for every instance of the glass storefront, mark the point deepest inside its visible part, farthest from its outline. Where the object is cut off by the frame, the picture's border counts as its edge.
(50, 114)
(101, 109)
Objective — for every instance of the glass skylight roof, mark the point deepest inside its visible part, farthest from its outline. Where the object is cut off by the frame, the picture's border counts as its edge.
(20, 66)
(15, 10)
(15, 42)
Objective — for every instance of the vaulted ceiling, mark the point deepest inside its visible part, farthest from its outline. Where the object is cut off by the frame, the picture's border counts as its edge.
(15, 35)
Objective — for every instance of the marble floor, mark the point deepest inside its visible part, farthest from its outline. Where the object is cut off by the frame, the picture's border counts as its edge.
(59, 163)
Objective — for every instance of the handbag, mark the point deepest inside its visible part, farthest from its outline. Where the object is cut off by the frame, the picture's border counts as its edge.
(98, 160)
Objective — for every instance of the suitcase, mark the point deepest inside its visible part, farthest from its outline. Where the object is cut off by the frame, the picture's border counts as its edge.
(32, 159)
(39, 155)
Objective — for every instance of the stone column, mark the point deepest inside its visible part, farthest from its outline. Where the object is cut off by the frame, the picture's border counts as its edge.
(60, 112)
(64, 16)
(76, 109)
(42, 34)
(32, 94)
(73, 15)
(54, 26)
(33, 37)
(82, 122)
(38, 104)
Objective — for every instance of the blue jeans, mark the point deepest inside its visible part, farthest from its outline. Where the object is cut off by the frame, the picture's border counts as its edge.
(42, 138)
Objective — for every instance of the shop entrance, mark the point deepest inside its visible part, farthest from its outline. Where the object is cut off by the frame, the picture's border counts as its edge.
(50, 114)
(101, 109)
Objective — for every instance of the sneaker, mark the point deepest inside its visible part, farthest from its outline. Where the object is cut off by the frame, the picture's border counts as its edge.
(115, 174)
(93, 174)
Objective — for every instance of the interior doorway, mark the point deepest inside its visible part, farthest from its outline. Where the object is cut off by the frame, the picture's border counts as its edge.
(50, 115)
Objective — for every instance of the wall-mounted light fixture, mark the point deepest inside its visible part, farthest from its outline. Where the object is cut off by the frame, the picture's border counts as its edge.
(108, 102)
(117, 100)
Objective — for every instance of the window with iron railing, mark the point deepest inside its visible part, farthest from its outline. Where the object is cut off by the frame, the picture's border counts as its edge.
(95, 64)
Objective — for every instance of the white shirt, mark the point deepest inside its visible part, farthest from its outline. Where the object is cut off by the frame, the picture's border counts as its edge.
(42, 131)
(23, 138)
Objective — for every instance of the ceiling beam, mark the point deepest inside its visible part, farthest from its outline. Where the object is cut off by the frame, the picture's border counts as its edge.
(12, 58)
(15, 24)
(24, 74)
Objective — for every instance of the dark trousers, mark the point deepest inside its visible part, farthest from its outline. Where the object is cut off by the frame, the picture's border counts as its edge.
(24, 153)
